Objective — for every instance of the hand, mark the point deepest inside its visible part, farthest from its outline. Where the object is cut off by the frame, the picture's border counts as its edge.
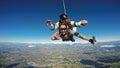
(49, 22)
(84, 22)
(57, 35)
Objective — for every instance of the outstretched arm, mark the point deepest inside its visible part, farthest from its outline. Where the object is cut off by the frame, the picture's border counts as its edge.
(93, 40)
(52, 26)
(79, 24)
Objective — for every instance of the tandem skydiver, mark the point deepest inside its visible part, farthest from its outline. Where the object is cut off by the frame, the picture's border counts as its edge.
(71, 25)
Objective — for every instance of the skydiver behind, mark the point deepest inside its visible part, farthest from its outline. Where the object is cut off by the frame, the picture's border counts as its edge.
(65, 35)
(64, 19)
(70, 25)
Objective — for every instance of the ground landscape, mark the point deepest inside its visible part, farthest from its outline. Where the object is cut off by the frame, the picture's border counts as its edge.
(51, 55)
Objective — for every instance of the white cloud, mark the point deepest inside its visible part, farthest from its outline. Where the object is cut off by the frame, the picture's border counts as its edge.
(67, 42)
(31, 45)
(108, 46)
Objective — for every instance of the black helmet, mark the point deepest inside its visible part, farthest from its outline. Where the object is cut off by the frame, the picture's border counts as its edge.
(63, 16)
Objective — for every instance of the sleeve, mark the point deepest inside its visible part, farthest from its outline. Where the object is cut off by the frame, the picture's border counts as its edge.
(51, 27)
(76, 24)
(54, 26)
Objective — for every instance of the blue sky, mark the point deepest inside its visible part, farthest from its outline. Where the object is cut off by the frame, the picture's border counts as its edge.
(25, 20)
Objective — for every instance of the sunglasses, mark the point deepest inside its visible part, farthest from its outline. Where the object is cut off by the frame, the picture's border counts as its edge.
(62, 28)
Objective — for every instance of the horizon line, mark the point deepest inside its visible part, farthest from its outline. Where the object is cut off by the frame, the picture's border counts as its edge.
(56, 41)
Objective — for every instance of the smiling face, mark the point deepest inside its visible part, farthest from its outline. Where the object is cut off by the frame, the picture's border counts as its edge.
(63, 29)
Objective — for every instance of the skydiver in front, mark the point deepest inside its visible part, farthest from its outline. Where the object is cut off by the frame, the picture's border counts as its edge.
(65, 35)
